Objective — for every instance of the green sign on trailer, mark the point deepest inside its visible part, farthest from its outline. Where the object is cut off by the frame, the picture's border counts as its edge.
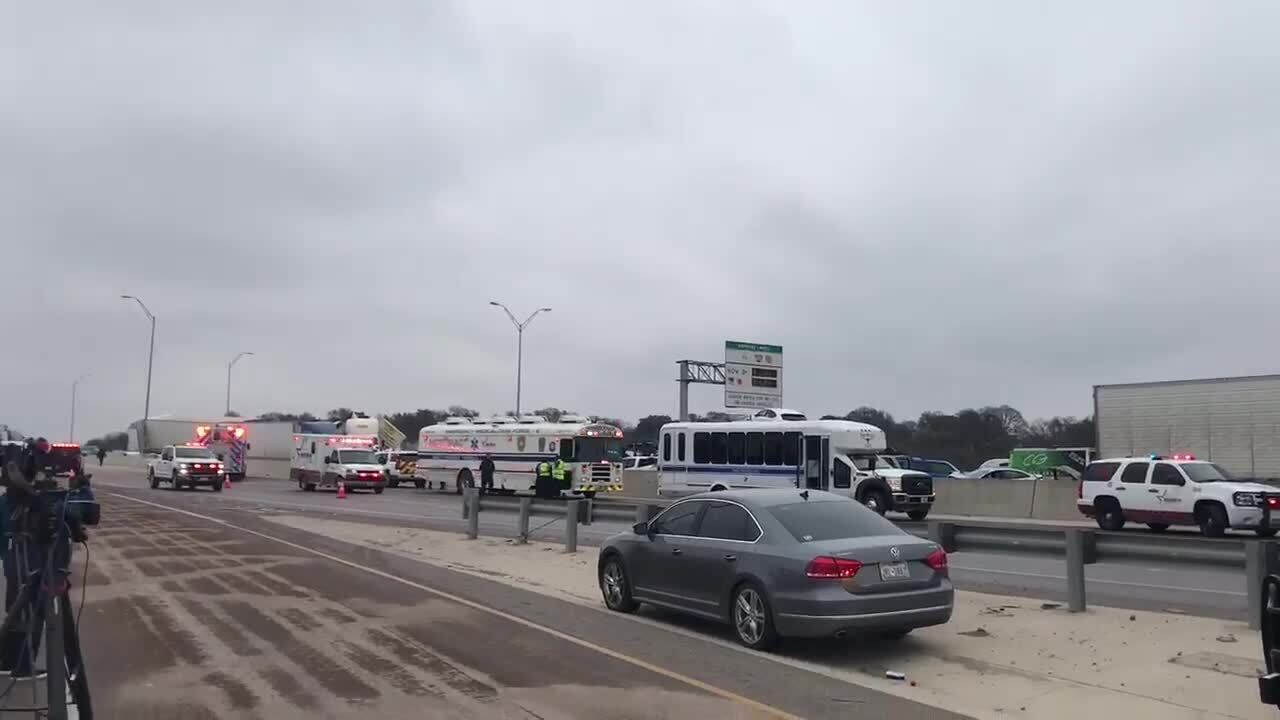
(1043, 461)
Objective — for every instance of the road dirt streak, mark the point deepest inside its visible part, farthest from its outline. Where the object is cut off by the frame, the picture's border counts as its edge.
(199, 621)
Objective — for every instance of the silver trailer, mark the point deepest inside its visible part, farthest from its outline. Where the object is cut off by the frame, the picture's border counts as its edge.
(1234, 422)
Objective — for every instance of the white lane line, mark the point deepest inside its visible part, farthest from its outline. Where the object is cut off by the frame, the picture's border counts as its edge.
(1046, 576)
(692, 682)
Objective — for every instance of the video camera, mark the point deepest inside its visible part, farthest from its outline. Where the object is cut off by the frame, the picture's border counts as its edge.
(29, 475)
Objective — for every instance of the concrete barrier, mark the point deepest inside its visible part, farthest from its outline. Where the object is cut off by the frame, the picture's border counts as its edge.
(996, 498)
(640, 483)
(1055, 500)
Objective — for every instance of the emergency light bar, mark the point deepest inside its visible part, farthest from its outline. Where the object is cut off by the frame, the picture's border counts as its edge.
(1183, 456)
(65, 445)
(347, 440)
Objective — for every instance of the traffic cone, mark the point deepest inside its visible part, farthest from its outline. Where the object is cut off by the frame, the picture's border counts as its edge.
(226, 483)
(342, 490)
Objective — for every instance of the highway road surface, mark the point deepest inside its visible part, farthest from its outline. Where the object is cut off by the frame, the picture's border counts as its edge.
(223, 614)
(1147, 585)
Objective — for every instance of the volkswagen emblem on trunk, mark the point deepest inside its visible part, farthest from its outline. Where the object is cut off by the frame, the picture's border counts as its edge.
(895, 552)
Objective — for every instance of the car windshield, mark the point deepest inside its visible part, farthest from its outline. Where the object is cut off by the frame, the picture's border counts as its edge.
(1205, 472)
(814, 521)
(597, 449)
(189, 453)
(356, 457)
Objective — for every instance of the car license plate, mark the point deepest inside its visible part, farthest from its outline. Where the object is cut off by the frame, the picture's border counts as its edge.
(894, 571)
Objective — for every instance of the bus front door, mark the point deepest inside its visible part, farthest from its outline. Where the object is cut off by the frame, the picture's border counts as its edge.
(815, 462)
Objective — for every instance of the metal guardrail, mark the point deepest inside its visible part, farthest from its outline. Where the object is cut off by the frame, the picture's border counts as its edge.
(1077, 546)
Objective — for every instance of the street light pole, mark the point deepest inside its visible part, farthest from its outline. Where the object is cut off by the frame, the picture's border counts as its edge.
(520, 326)
(230, 365)
(72, 433)
(151, 356)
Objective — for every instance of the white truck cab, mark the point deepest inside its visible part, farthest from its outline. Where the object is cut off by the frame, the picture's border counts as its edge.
(191, 465)
(1176, 490)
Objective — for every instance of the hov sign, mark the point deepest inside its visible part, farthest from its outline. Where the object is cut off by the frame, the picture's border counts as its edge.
(752, 375)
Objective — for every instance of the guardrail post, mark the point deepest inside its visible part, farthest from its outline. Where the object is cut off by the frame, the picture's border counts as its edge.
(472, 500)
(1257, 554)
(571, 527)
(1075, 569)
(943, 533)
(588, 508)
(526, 506)
(466, 504)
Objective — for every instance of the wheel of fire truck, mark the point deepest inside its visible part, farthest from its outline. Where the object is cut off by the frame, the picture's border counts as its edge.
(465, 480)
(393, 482)
(588, 494)
(237, 477)
(152, 480)
(419, 483)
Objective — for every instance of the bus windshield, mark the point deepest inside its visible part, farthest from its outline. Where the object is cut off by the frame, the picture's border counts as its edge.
(597, 449)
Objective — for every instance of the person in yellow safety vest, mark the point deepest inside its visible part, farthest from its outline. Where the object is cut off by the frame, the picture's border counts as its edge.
(560, 473)
(542, 482)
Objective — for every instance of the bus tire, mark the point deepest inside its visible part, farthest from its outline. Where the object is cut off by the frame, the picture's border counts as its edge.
(465, 480)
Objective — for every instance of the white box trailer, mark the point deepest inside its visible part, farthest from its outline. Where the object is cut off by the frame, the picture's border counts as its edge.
(1234, 422)
(154, 434)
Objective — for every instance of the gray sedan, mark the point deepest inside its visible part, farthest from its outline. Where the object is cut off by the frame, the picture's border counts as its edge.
(774, 563)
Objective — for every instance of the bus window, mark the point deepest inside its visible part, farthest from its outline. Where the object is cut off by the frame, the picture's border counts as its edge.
(773, 448)
(718, 449)
(666, 447)
(755, 448)
(702, 448)
(791, 449)
(680, 446)
(566, 449)
(736, 445)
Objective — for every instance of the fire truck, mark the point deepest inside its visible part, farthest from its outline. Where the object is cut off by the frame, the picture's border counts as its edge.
(229, 442)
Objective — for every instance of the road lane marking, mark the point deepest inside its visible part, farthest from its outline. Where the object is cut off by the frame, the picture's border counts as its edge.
(692, 682)
(1046, 576)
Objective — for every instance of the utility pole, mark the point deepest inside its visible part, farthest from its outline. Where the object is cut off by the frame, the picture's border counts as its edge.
(71, 435)
(520, 326)
(151, 356)
(230, 365)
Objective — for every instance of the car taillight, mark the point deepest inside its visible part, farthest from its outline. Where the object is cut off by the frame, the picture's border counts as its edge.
(937, 560)
(829, 568)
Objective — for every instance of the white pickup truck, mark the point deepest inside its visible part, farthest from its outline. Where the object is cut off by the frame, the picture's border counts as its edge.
(187, 466)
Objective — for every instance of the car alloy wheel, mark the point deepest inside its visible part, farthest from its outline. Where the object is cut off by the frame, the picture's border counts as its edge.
(613, 591)
(749, 617)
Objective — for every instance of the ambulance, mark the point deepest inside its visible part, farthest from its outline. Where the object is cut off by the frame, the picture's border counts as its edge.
(325, 460)
(229, 442)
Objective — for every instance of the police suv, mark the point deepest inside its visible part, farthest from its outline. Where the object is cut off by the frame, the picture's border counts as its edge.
(1175, 490)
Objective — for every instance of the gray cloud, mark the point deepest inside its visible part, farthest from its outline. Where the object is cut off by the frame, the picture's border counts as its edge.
(929, 208)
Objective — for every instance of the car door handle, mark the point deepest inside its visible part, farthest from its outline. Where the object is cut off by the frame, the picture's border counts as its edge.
(1121, 489)
(731, 558)
(1155, 490)
(676, 551)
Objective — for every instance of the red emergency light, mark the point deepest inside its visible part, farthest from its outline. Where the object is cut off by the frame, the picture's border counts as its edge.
(347, 440)
(238, 432)
(66, 445)
(1183, 456)
(1273, 501)
(202, 431)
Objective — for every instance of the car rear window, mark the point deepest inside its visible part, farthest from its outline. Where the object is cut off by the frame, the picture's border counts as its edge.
(1100, 471)
(814, 521)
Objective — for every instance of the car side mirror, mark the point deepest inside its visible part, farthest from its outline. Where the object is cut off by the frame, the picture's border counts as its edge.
(328, 460)
(640, 528)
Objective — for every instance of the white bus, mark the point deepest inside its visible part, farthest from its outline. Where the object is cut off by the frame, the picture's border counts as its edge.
(782, 448)
(450, 453)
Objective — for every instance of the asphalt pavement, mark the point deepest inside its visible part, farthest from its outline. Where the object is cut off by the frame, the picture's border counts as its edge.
(1146, 585)
(198, 608)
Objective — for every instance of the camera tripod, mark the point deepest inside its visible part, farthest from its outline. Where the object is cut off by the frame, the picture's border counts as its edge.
(44, 603)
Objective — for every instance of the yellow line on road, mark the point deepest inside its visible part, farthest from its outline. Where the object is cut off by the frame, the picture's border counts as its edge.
(692, 682)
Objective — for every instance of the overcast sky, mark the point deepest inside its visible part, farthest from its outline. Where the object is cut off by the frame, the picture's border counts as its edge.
(930, 205)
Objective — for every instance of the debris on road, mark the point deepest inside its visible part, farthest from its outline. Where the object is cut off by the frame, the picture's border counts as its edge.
(893, 675)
